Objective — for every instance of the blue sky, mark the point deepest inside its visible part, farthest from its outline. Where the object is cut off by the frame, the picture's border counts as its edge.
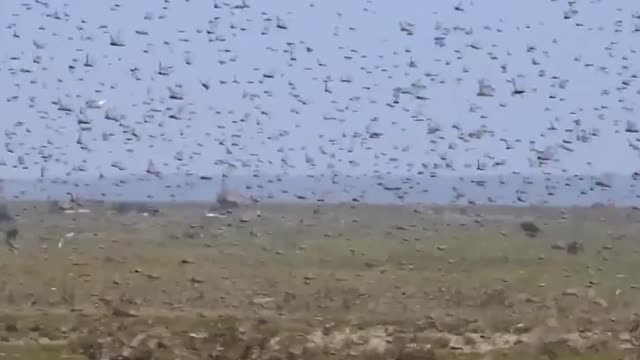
(264, 109)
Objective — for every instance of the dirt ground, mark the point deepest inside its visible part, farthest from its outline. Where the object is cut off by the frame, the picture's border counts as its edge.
(322, 282)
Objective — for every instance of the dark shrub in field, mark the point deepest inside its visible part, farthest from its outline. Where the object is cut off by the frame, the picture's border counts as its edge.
(530, 228)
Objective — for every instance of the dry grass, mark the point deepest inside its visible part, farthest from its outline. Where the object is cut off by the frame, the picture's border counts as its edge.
(438, 274)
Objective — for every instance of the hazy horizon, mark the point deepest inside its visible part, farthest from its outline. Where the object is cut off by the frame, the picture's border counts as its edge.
(480, 189)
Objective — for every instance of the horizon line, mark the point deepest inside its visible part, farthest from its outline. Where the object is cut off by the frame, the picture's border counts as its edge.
(371, 175)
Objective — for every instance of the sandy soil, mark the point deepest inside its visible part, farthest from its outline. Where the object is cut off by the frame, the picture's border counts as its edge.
(322, 282)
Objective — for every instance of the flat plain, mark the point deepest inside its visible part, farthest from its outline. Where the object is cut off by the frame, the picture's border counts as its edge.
(329, 281)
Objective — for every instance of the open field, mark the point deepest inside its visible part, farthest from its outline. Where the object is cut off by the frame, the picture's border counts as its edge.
(322, 282)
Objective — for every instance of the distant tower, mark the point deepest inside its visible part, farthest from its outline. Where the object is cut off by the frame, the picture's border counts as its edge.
(228, 199)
